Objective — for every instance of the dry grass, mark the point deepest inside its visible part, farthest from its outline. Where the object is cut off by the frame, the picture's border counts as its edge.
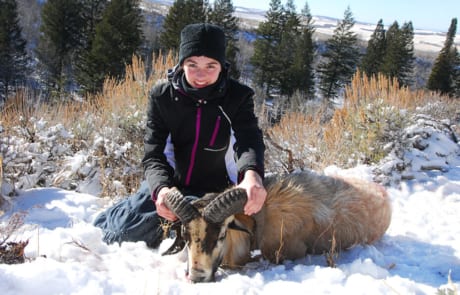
(14, 223)
(374, 113)
(332, 254)
(308, 135)
(116, 96)
(116, 115)
(278, 253)
(365, 90)
(1, 182)
(284, 153)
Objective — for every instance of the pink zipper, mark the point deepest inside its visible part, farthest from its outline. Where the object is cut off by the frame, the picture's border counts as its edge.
(214, 133)
(195, 146)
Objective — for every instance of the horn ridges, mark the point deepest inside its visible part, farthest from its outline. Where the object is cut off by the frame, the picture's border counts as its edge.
(229, 202)
(179, 205)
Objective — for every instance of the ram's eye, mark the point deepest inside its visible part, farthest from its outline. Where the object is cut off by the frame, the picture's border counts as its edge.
(222, 237)
(186, 235)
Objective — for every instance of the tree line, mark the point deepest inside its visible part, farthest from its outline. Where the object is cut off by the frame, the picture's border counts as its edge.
(81, 42)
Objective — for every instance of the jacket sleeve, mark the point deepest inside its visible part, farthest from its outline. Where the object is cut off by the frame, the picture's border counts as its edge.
(158, 172)
(249, 146)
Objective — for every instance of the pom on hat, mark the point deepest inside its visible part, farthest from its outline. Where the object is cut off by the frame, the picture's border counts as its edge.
(202, 39)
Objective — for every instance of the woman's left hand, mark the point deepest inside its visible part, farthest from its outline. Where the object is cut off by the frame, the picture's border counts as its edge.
(252, 183)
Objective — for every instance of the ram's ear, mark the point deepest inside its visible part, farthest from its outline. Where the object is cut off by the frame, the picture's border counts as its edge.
(243, 223)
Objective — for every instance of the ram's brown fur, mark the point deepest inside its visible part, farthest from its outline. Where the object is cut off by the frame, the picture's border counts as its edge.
(303, 217)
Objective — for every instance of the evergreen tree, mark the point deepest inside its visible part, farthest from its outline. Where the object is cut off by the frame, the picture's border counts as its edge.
(118, 36)
(443, 77)
(406, 72)
(390, 65)
(13, 58)
(92, 15)
(29, 14)
(61, 29)
(340, 58)
(304, 51)
(399, 53)
(266, 58)
(373, 58)
(290, 34)
(456, 75)
(180, 14)
(222, 14)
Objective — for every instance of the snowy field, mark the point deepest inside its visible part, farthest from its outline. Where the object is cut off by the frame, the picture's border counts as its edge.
(419, 254)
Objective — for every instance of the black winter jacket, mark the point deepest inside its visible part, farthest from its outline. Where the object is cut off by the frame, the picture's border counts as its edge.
(200, 131)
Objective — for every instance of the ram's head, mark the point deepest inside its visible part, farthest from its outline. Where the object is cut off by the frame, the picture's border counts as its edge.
(205, 223)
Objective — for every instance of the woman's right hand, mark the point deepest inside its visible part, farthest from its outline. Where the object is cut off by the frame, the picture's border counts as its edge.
(162, 210)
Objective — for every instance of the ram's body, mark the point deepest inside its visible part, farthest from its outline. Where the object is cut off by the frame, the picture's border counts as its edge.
(304, 213)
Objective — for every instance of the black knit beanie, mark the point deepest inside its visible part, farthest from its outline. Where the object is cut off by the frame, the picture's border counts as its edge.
(202, 39)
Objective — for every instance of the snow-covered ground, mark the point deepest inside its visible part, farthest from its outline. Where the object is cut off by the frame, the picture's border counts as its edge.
(419, 254)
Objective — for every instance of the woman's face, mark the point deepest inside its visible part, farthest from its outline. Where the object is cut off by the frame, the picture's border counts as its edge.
(201, 71)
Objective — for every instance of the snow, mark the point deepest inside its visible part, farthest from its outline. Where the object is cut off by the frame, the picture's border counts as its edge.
(419, 254)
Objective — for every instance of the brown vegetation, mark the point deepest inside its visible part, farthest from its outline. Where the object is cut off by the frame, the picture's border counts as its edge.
(306, 135)
(374, 112)
(116, 114)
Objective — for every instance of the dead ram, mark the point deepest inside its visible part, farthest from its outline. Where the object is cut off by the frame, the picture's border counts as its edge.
(304, 213)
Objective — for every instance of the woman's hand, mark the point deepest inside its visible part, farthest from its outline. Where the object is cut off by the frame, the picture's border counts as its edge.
(162, 210)
(252, 183)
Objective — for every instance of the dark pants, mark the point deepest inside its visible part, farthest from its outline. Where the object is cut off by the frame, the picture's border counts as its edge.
(132, 219)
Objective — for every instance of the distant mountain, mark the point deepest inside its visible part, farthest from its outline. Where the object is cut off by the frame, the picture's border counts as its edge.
(424, 40)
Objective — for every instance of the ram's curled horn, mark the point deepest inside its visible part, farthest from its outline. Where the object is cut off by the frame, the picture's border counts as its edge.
(229, 202)
(179, 205)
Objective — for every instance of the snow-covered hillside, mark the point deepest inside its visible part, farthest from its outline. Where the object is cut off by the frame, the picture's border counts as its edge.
(424, 40)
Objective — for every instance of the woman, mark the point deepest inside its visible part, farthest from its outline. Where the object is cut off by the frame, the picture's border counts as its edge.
(191, 119)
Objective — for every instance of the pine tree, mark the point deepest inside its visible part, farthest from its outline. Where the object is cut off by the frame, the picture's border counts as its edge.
(288, 77)
(266, 58)
(222, 14)
(399, 53)
(61, 29)
(304, 51)
(340, 58)
(92, 15)
(443, 77)
(375, 52)
(456, 74)
(406, 72)
(118, 36)
(13, 57)
(180, 14)
(390, 65)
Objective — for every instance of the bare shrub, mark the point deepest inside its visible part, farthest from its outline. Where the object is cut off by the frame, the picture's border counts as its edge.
(14, 223)
(12, 252)
(2, 200)
(107, 127)
(292, 143)
(364, 129)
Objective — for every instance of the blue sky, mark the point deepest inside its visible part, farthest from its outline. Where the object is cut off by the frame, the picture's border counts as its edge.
(424, 14)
